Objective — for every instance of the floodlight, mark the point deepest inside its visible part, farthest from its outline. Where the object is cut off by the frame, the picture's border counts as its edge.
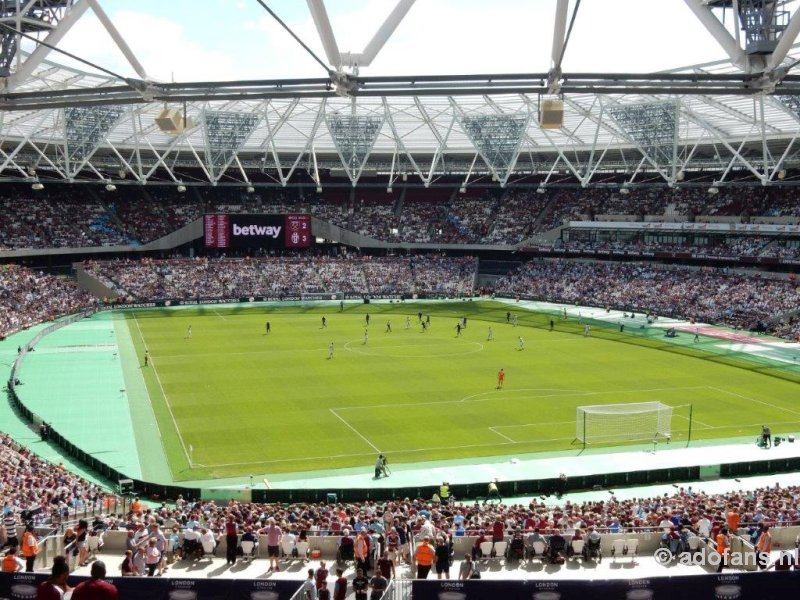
(110, 187)
(541, 190)
(181, 188)
(713, 190)
(250, 189)
(624, 191)
(389, 190)
(462, 190)
(38, 186)
(319, 189)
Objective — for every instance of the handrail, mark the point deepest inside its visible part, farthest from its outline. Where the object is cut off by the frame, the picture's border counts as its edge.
(45, 545)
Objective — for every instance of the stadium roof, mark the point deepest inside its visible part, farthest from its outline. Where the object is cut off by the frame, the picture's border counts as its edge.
(728, 116)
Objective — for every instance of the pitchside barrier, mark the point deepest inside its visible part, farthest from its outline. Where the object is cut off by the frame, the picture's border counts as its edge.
(527, 487)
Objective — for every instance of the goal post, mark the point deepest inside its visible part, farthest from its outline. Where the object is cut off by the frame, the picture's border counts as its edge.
(630, 422)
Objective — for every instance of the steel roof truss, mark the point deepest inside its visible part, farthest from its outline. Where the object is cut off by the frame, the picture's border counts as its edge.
(354, 136)
(399, 143)
(715, 133)
(309, 141)
(225, 133)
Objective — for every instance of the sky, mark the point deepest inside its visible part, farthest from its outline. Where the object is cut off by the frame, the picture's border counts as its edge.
(195, 40)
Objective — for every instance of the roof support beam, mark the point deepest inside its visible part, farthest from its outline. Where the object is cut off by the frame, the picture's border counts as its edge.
(27, 68)
(325, 31)
(118, 39)
(385, 31)
(721, 138)
(786, 42)
(718, 31)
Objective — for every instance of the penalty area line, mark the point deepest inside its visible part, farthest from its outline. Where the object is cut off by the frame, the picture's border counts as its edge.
(502, 435)
(789, 410)
(354, 430)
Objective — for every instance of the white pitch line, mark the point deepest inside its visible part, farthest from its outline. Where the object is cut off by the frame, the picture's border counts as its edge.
(496, 394)
(789, 410)
(163, 393)
(280, 460)
(414, 450)
(219, 315)
(533, 424)
(693, 420)
(502, 435)
(356, 431)
(270, 351)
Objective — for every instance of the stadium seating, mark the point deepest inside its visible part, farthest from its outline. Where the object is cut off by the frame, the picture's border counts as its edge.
(705, 296)
(28, 297)
(58, 217)
(286, 276)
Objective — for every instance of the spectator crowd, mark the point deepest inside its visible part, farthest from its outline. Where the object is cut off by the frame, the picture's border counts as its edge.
(28, 297)
(286, 276)
(700, 294)
(60, 216)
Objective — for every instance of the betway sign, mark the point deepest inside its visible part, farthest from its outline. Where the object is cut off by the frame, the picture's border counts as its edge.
(249, 231)
(257, 230)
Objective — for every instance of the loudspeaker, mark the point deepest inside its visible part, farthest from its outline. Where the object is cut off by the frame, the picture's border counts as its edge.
(171, 120)
(551, 114)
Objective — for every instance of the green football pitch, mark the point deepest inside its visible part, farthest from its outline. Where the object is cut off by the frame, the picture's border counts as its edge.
(233, 400)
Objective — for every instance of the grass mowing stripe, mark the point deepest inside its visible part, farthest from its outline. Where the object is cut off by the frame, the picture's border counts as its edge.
(164, 395)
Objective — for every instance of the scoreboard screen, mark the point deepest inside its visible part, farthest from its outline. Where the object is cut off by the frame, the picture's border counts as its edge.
(257, 231)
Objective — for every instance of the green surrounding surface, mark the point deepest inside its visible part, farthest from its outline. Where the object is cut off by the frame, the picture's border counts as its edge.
(240, 401)
(15, 424)
(74, 380)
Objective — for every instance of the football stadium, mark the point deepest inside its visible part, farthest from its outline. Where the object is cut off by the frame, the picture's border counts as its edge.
(504, 305)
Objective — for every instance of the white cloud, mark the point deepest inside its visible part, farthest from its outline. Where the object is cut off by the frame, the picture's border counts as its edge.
(160, 44)
(436, 37)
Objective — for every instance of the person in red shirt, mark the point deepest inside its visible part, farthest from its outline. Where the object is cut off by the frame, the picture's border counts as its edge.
(56, 585)
(501, 378)
(95, 588)
(321, 574)
(231, 540)
(340, 588)
(498, 533)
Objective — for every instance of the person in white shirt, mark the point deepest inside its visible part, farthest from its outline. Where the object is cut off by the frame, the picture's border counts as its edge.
(426, 530)
(704, 527)
(310, 587)
(207, 539)
(191, 542)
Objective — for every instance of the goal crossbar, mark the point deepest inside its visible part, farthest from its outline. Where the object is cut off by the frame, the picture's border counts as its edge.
(634, 421)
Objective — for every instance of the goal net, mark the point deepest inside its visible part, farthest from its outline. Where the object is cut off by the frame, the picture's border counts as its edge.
(320, 296)
(604, 423)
